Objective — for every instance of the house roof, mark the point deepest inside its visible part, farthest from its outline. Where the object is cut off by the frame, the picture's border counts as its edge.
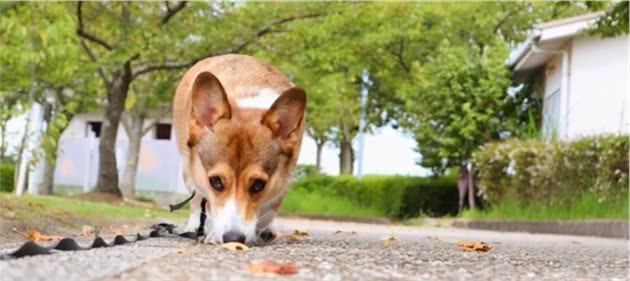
(551, 35)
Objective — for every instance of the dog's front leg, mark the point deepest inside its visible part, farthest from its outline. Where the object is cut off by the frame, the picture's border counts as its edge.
(195, 215)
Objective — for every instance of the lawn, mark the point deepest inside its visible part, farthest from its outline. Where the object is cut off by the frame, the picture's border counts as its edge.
(585, 207)
(300, 201)
(28, 207)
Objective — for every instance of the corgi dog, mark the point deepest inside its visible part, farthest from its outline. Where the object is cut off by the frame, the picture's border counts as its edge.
(238, 124)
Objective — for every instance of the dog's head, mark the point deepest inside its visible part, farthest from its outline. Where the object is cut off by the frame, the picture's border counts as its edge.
(243, 156)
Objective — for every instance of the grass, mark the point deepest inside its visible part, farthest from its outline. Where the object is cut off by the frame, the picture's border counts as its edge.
(586, 206)
(27, 206)
(300, 201)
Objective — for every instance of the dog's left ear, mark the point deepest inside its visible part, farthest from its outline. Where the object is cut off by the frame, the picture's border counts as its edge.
(286, 113)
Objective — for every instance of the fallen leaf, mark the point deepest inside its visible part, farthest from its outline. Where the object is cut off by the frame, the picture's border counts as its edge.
(35, 236)
(389, 240)
(87, 230)
(340, 231)
(235, 246)
(117, 230)
(300, 233)
(477, 246)
(272, 267)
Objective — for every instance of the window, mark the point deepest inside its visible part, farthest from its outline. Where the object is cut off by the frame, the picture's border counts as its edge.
(163, 131)
(94, 127)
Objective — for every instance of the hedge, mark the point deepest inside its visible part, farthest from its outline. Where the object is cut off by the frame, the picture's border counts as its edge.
(7, 171)
(553, 171)
(397, 196)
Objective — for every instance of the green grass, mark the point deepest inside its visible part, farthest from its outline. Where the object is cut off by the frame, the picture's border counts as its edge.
(585, 207)
(300, 201)
(27, 206)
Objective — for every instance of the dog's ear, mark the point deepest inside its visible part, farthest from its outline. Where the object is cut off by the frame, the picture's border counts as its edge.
(209, 101)
(286, 113)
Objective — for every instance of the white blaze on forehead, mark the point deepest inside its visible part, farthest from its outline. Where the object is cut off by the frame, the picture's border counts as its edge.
(264, 98)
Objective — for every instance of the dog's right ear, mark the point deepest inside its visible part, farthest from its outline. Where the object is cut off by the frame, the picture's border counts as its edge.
(209, 101)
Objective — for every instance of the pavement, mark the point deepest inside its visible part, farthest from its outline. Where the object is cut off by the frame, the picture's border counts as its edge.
(356, 253)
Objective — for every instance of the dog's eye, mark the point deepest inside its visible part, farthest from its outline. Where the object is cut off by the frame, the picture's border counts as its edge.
(216, 183)
(257, 186)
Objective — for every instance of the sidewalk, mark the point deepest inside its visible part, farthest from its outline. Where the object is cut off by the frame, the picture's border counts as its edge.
(599, 228)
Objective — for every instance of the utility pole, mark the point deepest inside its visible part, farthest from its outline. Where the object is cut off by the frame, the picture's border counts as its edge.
(363, 94)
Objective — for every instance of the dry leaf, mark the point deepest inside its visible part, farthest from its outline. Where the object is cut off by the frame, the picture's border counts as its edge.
(35, 236)
(87, 230)
(474, 246)
(300, 233)
(235, 246)
(117, 230)
(389, 240)
(272, 267)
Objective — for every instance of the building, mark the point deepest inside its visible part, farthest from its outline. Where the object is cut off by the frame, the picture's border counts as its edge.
(159, 166)
(582, 79)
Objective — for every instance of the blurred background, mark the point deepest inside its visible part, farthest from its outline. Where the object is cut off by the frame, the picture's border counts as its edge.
(514, 110)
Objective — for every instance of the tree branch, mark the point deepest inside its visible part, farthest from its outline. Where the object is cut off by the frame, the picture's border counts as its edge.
(87, 35)
(399, 55)
(150, 126)
(99, 70)
(170, 65)
(170, 12)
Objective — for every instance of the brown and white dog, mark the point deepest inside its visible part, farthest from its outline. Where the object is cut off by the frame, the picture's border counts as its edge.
(239, 124)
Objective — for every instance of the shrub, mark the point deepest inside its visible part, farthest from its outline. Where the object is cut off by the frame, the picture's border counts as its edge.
(302, 170)
(551, 172)
(7, 170)
(395, 196)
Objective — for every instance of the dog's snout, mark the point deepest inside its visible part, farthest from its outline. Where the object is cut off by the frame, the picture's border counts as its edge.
(233, 236)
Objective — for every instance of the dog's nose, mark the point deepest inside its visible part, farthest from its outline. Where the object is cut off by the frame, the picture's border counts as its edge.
(233, 236)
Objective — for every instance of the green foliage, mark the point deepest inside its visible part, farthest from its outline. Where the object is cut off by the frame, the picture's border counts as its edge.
(584, 206)
(554, 173)
(394, 196)
(7, 171)
(301, 201)
(614, 22)
(302, 170)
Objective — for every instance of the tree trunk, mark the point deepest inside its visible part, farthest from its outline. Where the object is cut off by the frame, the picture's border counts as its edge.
(346, 158)
(107, 168)
(471, 187)
(135, 133)
(2, 139)
(318, 158)
(46, 186)
(462, 187)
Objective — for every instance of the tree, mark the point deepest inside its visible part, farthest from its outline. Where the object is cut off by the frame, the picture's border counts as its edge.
(149, 97)
(454, 85)
(614, 22)
(41, 63)
(129, 40)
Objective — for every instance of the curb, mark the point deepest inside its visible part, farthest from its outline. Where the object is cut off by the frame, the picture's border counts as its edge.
(371, 220)
(599, 228)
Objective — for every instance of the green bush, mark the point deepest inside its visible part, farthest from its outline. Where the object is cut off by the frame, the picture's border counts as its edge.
(394, 196)
(302, 170)
(7, 170)
(553, 172)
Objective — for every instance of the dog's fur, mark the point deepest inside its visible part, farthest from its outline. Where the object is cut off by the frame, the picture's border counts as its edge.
(242, 120)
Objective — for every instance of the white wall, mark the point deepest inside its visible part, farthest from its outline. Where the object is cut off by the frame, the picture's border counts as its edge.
(598, 86)
(552, 97)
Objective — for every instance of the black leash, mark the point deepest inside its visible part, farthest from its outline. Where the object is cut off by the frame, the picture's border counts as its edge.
(31, 248)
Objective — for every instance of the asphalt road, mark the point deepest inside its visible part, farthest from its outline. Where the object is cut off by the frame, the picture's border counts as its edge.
(326, 254)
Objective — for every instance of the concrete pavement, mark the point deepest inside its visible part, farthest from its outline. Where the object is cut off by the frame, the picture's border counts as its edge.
(327, 254)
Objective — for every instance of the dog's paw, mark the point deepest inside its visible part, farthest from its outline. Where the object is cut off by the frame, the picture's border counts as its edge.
(267, 235)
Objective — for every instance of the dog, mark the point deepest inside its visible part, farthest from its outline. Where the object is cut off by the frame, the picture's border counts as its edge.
(238, 124)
